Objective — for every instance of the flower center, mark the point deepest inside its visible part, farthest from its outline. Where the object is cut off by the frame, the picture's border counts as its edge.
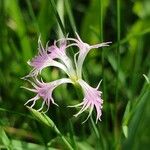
(74, 79)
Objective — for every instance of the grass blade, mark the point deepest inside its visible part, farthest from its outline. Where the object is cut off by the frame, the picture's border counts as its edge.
(58, 17)
(70, 15)
(44, 119)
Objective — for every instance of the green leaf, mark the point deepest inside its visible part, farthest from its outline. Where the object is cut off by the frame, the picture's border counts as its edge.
(57, 16)
(21, 145)
(146, 78)
(126, 118)
(41, 117)
(3, 137)
(126, 114)
(16, 16)
(137, 115)
(70, 15)
(125, 130)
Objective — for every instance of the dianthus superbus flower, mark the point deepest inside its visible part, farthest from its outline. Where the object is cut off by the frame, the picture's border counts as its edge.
(43, 60)
(44, 90)
(92, 99)
(84, 49)
(56, 56)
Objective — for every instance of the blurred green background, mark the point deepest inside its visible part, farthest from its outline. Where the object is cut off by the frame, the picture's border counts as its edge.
(126, 92)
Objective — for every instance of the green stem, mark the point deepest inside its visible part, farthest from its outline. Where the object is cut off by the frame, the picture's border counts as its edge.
(118, 47)
(103, 59)
(73, 142)
(70, 14)
(100, 142)
(95, 128)
(60, 9)
(101, 38)
(58, 17)
(118, 66)
(63, 138)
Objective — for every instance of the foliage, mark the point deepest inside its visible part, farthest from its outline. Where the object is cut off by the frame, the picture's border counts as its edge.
(126, 91)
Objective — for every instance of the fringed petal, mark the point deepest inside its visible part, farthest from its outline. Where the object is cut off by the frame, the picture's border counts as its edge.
(45, 91)
(92, 99)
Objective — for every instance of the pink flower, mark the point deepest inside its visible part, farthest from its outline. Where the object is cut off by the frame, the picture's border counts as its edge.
(92, 99)
(43, 60)
(56, 56)
(84, 49)
(44, 91)
(60, 53)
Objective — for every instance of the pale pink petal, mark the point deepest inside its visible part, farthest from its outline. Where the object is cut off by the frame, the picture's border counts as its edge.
(92, 99)
(43, 60)
(45, 90)
(84, 49)
(59, 52)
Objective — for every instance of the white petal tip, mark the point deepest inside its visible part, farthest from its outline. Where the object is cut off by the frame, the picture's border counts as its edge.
(26, 104)
(23, 78)
(75, 115)
(56, 104)
(70, 106)
(29, 62)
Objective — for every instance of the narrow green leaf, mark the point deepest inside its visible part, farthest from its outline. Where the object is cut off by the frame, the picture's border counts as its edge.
(136, 116)
(60, 10)
(146, 78)
(57, 16)
(15, 14)
(125, 130)
(126, 114)
(72, 134)
(44, 119)
(70, 15)
(15, 113)
(126, 119)
(3, 137)
(21, 145)
(41, 117)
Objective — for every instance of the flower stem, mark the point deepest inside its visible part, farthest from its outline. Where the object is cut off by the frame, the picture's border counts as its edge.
(118, 46)
(101, 38)
(116, 131)
(63, 138)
